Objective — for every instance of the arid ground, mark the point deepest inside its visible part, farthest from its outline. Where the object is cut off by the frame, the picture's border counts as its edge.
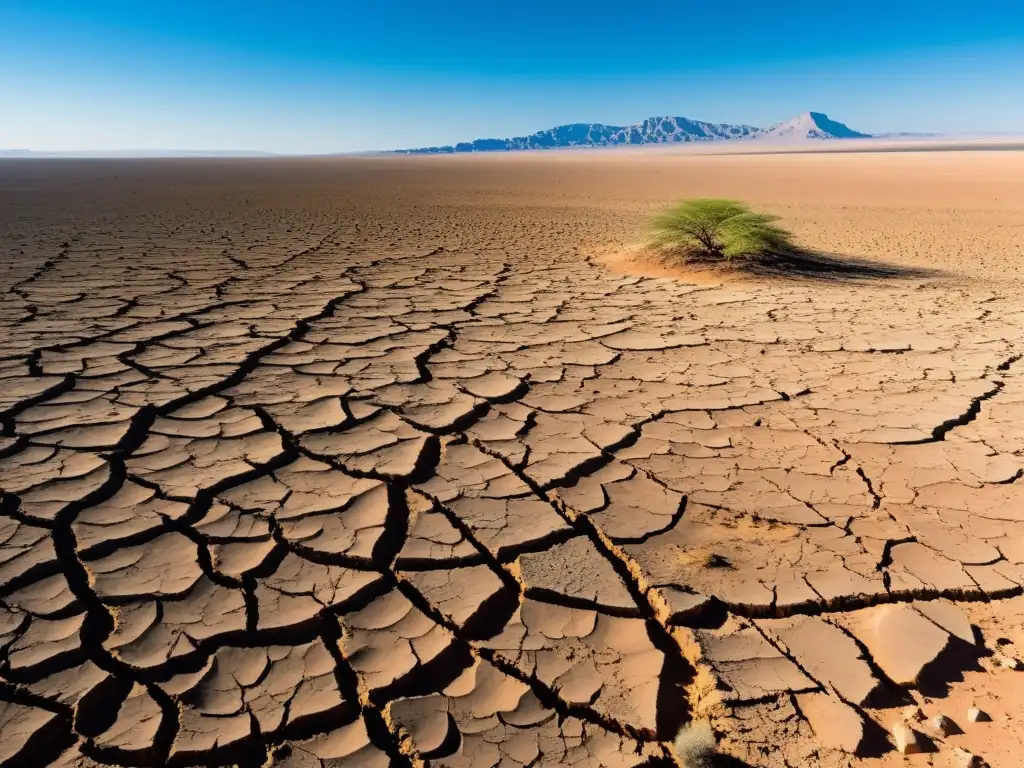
(405, 461)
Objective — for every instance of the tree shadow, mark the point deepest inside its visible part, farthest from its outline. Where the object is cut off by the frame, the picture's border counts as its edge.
(817, 265)
(799, 265)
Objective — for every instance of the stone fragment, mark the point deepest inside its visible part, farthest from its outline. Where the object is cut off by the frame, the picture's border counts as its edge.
(1008, 662)
(976, 715)
(905, 739)
(943, 725)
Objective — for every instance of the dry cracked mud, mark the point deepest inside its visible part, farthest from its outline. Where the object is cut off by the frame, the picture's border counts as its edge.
(310, 465)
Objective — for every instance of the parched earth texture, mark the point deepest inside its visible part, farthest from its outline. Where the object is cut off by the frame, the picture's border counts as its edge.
(297, 474)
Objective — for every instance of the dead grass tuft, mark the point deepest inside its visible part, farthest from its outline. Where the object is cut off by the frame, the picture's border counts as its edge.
(695, 744)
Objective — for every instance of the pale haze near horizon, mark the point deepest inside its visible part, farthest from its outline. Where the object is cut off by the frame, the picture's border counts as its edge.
(106, 80)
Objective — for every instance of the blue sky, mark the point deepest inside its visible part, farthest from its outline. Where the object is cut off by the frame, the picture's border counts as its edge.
(345, 75)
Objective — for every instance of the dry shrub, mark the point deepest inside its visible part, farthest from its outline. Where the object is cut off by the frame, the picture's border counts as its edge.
(695, 744)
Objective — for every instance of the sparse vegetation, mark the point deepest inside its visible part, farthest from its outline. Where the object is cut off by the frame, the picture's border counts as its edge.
(719, 229)
(695, 744)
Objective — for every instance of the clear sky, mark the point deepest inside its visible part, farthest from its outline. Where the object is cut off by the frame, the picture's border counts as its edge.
(343, 75)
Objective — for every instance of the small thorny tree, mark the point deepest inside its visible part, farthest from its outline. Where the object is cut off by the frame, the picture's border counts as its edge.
(720, 229)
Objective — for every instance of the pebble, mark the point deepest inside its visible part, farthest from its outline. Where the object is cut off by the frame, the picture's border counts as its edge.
(906, 739)
(1009, 662)
(943, 724)
(976, 715)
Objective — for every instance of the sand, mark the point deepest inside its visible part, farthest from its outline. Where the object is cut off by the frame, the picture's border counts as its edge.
(405, 461)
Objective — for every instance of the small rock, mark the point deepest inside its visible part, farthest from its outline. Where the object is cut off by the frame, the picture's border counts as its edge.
(976, 715)
(943, 725)
(1009, 662)
(913, 714)
(906, 740)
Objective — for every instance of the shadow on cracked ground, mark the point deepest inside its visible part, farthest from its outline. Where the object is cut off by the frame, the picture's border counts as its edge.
(815, 265)
(796, 265)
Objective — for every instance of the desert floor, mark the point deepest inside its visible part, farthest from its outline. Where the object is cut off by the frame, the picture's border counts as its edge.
(405, 461)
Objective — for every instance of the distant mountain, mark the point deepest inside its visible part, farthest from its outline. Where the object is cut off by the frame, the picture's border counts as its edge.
(812, 125)
(653, 130)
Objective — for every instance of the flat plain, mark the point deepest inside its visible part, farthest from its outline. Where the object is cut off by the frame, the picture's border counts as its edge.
(410, 461)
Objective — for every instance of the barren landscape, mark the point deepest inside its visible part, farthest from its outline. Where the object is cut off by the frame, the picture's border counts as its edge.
(410, 461)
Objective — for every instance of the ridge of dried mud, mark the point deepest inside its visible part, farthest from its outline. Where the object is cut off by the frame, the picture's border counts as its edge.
(309, 465)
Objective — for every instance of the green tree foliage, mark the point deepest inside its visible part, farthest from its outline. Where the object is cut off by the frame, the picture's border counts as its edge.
(720, 229)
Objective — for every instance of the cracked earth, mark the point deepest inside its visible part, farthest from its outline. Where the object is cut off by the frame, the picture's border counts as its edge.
(296, 474)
